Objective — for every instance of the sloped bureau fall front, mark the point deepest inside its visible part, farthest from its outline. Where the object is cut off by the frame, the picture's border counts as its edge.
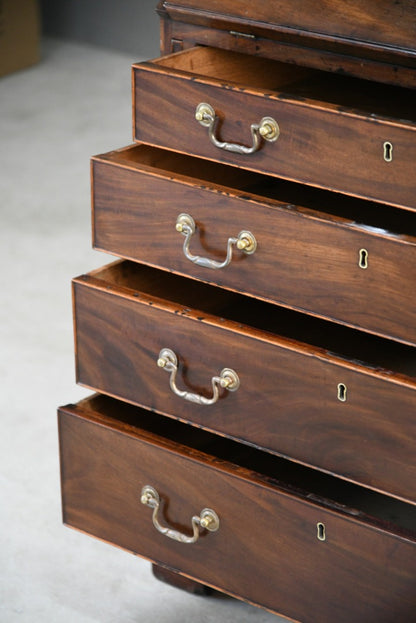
(253, 350)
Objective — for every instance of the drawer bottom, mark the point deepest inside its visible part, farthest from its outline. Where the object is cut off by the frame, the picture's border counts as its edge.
(281, 536)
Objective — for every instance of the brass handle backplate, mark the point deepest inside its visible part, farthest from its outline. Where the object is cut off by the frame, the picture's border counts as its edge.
(267, 130)
(227, 379)
(207, 519)
(245, 242)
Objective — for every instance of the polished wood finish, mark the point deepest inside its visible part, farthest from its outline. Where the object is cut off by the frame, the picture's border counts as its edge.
(289, 367)
(310, 464)
(365, 24)
(332, 129)
(364, 570)
(367, 40)
(177, 36)
(139, 192)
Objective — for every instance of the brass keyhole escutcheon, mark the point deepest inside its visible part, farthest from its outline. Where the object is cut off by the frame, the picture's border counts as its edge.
(342, 392)
(387, 151)
(363, 258)
(321, 531)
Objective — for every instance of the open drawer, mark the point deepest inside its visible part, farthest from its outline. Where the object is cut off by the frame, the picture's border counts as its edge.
(337, 257)
(339, 133)
(387, 26)
(298, 543)
(329, 397)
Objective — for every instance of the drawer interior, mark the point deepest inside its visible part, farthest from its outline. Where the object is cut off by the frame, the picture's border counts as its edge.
(312, 485)
(295, 82)
(299, 331)
(275, 192)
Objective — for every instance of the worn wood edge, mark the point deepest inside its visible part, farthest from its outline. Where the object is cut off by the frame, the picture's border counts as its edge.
(374, 69)
(93, 281)
(220, 189)
(84, 412)
(264, 299)
(193, 182)
(290, 208)
(291, 459)
(371, 488)
(197, 16)
(271, 301)
(161, 9)
(191, 455)
(288, 178)
(273, 95)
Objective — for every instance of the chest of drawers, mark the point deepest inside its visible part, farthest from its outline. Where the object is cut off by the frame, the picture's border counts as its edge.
(253, 349)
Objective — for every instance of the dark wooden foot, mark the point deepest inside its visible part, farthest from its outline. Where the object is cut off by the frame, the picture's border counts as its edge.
(179, 581)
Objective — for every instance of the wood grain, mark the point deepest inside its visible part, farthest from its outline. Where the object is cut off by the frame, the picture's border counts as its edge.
(283, 453)
(348, 60)
(361, 572)
(322, 142)
(289, 369)
(173, 578)
(387, 25)
(309, 242)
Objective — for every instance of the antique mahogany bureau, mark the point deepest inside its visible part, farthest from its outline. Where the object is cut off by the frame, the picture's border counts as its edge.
(253, 350)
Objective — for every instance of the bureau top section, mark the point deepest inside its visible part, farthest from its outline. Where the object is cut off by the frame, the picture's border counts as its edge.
(383, 31)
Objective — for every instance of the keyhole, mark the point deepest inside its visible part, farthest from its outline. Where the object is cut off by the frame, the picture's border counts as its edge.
(342, 392)
(363, 258)
(320, 528)
(388, 151)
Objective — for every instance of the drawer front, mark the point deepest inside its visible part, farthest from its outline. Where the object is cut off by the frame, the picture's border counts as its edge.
(305, 260)
(266, 549)
(384, 23)
(320, 144)
(315, 408)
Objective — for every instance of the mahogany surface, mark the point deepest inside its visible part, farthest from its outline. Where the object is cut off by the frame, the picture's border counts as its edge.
(322, 142)
(363, 571)
(375, 41)
(125, 314)
(317, 237)
(310, 464)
